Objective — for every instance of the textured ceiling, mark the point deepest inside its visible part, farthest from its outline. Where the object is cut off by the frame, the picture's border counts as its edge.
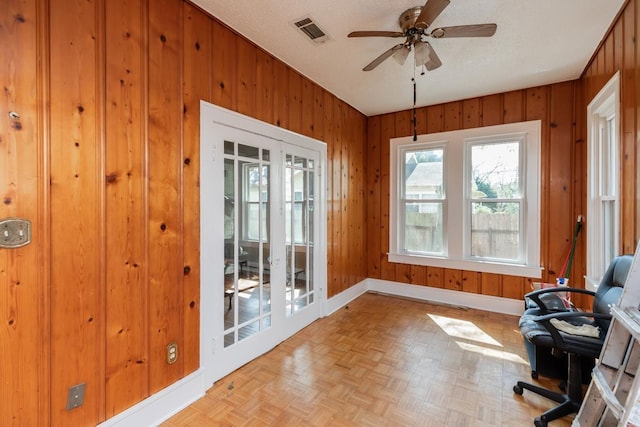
(537, 42)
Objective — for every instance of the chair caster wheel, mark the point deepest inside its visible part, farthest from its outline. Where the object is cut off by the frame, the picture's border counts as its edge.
(517, 389)
(534, 375)
(539, 423)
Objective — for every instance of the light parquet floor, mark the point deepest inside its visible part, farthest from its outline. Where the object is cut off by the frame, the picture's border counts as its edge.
(382, 361)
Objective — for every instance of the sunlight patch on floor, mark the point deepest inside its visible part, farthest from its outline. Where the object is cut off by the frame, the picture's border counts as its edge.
(463, 329)
(491, 352)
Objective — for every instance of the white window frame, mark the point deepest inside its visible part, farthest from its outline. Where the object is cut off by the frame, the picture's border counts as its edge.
(604, 106)
(457, 180)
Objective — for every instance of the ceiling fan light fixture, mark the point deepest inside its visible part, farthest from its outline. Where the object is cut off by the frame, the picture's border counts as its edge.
(422, 53)
(401, 55)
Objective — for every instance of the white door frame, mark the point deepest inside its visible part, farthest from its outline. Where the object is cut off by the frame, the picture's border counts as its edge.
(211, 232)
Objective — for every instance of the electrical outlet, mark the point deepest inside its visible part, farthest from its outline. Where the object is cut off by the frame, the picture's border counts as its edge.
(172, 352)
(75, 397)
(14, 233)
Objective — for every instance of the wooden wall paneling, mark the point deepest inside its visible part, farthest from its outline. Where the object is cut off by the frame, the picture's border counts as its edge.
(453, 116)
(491, 284)
(586, 82)
(281, 94)
(513, 103)
(403, 123)
(224, 88)
(294, 105)
(559, 153)
(403, 127)
(435, 277)
(360, 194)
(609, 55)
(349, 264)
(307, 108)
(470, 281)
(601, 77)
(514, 287)
(418, 275)
(387, 131)
(373, 171)
(328, 124)
(354, 197)
(319, 131)
(42, 240)
(77, 182)
(127, 368)
(452, 279)
(492, 110)
(264, 89)
(165, 191)
(421, 121)
(471, 113)
(435, 119)
(618, 45)
(632, 58)
(336, 195)
(536, 109)
(24, 393)
(245, 77)
(197, 85)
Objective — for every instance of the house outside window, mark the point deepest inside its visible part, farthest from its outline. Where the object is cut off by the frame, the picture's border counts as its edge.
(603, 181)
(468, 199)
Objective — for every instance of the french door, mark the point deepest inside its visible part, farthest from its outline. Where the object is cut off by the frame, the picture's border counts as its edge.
(262, 226)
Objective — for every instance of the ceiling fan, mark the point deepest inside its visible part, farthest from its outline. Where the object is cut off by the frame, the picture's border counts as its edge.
(415, 24)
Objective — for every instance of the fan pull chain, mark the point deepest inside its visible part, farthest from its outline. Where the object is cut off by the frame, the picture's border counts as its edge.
(415, 132)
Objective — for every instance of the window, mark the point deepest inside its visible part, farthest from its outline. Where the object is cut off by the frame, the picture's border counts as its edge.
(468, 199)
(603, 195)
(255, 195)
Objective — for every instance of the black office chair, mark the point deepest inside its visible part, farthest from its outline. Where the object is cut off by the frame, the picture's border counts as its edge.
(539, 331)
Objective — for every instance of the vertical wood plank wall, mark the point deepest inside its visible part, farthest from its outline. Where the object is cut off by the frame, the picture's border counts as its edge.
(104, 161)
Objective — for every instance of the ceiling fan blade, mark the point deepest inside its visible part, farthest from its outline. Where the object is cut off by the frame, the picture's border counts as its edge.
(430, 12)
(425, 55)
(478, 30)
(375, 34)
(401, 55)
(382, 57)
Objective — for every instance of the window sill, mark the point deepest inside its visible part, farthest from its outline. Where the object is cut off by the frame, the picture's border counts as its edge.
(461, 264)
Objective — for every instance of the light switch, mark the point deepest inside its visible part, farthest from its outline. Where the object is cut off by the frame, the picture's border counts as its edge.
(14, 232)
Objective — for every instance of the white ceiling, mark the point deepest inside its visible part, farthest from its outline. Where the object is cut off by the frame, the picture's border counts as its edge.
(537, 42)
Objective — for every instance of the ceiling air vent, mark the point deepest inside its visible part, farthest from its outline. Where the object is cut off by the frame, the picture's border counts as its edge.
(311, 30)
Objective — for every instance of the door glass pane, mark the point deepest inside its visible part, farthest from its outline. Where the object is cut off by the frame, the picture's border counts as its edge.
(246, 276)
(299, 210)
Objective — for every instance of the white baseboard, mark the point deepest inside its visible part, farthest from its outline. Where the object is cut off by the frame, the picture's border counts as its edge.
(338, 301)
(166, 403)
(162, 405)
(446, 296)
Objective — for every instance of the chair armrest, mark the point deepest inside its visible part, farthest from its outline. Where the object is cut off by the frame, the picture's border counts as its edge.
(536, 295)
